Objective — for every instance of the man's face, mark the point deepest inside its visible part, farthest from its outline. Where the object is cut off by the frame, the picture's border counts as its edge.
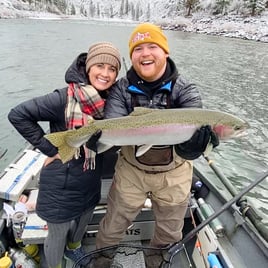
(149, 61)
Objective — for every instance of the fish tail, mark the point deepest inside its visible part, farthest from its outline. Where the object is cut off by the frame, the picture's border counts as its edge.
(58, 139)
(67, 152)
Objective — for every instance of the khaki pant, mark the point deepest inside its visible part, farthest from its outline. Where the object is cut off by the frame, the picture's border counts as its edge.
(170, 193)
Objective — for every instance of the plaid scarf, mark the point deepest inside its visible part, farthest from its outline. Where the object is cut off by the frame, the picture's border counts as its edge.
(83, 103)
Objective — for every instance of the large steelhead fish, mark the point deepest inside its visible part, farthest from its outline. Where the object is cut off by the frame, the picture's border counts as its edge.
(146, 126)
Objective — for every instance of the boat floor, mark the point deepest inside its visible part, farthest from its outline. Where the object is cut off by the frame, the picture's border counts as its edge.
(129, 255)
(129, 258)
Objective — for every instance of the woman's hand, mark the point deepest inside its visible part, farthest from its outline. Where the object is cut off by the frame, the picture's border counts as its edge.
(49, 160)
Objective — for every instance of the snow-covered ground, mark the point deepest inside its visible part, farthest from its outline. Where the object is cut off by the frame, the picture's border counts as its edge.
(250, 28)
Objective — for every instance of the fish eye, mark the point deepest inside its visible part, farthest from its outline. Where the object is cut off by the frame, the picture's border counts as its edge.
(237, 127)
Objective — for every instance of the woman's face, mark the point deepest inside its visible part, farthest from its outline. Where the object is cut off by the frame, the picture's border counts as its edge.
(102, 76)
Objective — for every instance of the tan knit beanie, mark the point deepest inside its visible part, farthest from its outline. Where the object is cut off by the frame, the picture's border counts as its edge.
(103, 52)
(147, 33)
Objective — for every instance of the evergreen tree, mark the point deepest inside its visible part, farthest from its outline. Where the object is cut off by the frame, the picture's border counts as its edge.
(138, 12)
(121, 11)
(61, 5)
(111, 11)
(189, 5)
(91, 9)
(221, 6)
(98, 9)
(148, 13)
(132, 10)
(73, 12)
(126, 7)
(255, 7)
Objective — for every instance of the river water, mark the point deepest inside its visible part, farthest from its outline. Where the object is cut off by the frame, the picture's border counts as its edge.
(232, 75)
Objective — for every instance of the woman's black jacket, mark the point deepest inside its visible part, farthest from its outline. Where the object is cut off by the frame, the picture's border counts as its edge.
(65, 190)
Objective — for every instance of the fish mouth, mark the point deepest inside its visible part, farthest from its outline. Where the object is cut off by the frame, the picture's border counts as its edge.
(242, 131)
(240, 134)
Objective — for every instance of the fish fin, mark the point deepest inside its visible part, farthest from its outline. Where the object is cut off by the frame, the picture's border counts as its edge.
(90, 120)
(208, 149)
(58, 139)
(101, 147)
(67, 152)
(90, 161)
(140, 111)
(143, 149)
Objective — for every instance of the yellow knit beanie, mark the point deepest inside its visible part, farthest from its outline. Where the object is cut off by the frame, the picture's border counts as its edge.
(103, 52)
(147, 33)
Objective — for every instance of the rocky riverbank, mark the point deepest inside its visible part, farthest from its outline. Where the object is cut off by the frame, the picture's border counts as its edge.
(249, 28)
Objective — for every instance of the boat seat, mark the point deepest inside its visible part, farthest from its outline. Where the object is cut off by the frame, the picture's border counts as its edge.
(35, 230)
(142, 227)
(18, 175)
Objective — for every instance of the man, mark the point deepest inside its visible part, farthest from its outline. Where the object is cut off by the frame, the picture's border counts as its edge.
(163, 173)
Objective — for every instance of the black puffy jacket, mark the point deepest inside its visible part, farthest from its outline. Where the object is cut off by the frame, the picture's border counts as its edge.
(171, 91)
(65, 190)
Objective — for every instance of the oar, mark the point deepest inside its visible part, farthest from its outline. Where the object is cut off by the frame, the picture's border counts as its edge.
(175, 248)
(245, 208)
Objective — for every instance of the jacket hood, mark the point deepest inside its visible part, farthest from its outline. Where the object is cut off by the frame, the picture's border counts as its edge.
(76, 73)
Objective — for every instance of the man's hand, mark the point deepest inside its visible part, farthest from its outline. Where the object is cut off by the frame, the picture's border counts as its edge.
(91, 144)
(198, 143)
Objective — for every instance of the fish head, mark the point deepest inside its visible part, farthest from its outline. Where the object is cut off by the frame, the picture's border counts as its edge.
(227, 131)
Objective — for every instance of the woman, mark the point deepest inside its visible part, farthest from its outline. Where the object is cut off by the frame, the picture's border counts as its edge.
(69, 192)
